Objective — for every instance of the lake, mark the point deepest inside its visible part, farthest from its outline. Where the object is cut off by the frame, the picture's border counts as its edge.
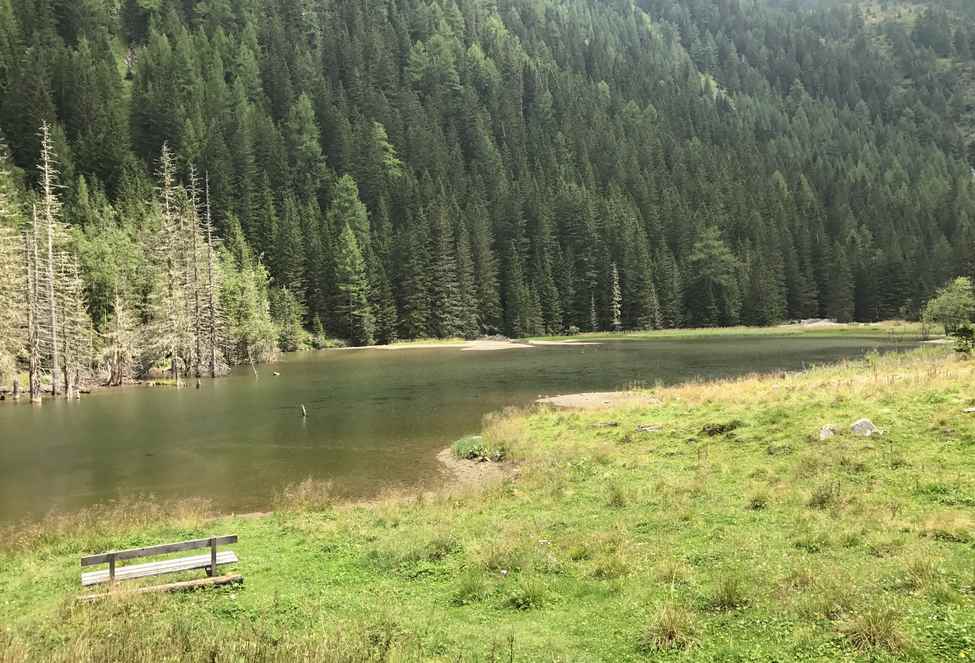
(376, 418)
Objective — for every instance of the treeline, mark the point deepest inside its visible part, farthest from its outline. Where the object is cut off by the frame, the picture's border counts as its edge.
(413, 168)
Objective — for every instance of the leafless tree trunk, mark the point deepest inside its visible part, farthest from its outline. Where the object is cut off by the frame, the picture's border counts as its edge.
(52, 304)
(193, 228)
(33, 338)
(211, 288)
(171, 240)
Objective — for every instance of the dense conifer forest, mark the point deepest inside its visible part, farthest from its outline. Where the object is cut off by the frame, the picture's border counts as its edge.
(211, 180)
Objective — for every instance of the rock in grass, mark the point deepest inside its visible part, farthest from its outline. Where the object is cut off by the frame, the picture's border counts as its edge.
(970, 410)
(648, 428)
(826, 432)
(864, 428)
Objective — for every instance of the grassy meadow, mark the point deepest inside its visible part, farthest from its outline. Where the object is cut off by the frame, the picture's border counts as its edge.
(703, 522)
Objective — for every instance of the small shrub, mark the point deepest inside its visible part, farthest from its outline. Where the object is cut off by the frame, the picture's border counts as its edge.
(672, 628)
(919, 573)
(799, 579)
(580, 552)
(504, 556)
(757, 502)
(672, 572)
(473, 447)
(617, 496)
(830, 599)
(876, 628)
(528, 594)
(852, 466)
(825, 496)
(610, 567)
(812, 542)
(713, 430)
(471, 589)
(730, 593)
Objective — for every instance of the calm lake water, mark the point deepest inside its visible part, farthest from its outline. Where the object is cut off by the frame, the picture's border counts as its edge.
(376, 418)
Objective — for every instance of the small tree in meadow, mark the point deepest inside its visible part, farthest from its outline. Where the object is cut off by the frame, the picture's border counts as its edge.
(953, 306)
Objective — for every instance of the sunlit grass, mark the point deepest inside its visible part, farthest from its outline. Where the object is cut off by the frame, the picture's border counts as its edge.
(896, 329)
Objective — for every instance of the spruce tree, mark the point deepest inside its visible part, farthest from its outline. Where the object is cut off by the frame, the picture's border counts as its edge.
(352, 284)
(446, 303)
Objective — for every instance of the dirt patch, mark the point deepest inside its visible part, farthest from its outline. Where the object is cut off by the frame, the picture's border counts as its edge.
(471, 472)
(490, 346)
(566, 343)
(597, 400)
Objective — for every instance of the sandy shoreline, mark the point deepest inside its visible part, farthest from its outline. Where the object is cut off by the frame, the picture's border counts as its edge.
(471, 472)
(481, 345)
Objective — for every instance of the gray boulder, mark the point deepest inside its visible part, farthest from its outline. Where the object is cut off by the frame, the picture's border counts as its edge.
(865, 428)
(826, 432)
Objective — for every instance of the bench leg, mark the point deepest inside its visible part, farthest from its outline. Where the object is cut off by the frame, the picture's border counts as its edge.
(212, 571)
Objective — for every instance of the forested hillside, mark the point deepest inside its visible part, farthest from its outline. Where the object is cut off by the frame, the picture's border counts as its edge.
(413, 168)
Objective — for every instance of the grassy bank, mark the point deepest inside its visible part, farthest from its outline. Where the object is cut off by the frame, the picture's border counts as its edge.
(706, 522)
(893, 328)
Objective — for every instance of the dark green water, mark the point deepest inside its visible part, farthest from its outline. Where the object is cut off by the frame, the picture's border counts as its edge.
(375, 418)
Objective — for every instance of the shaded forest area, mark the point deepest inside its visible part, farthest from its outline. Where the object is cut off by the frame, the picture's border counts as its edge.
(397, 169)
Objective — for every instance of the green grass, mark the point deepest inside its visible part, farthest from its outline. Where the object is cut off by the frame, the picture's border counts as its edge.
(752, 544)
(475, 447)
(896, 329)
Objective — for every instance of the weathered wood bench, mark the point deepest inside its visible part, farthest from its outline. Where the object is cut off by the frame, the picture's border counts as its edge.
(210, 561)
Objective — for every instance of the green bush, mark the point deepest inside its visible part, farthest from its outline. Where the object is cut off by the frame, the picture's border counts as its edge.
(473, 447)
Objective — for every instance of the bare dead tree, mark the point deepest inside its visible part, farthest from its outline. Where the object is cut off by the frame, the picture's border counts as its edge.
(33, 334)
(51, 209)
(173, 328)
(193, 274)
(75, 324)
(13, 311)
(212, 316)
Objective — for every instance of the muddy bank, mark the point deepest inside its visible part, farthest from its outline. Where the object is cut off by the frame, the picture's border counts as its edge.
(465, 472)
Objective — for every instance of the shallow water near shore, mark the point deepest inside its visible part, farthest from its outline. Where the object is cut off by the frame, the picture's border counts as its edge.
(376, 419)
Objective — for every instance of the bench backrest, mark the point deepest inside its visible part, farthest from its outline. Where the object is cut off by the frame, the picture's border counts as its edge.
(149, 551)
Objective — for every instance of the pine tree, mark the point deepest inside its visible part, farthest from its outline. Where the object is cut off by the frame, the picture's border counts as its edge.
(641, 306)
(469, 326)
(446, 305)
(352, 284)
(486, 276)
(839, 298)
(516, 296)
(414, 281)
(712, 295)
(384, 307)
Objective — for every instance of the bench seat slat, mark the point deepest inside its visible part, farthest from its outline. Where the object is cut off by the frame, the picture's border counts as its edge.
(149, 551)
(158, 568)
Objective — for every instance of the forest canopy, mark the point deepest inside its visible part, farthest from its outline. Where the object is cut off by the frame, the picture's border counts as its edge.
(387, 169)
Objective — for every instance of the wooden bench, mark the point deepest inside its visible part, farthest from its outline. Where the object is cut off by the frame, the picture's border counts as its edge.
(210, 561)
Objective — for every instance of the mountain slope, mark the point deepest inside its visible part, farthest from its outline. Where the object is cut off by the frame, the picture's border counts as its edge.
(529, 167)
